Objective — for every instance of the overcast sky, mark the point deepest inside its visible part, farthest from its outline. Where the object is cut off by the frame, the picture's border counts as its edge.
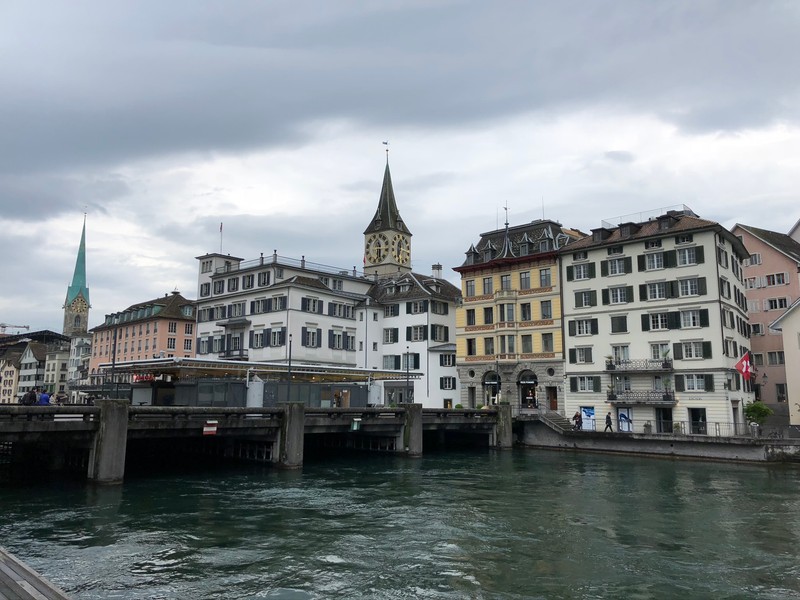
(160, 120)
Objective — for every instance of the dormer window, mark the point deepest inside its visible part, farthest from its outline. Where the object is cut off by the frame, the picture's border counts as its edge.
(650, 244)
(582, 255)
(487, 255)
(544, 245)
(524, 248)
(615, 250)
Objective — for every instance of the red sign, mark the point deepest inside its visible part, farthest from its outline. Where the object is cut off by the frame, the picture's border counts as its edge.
(210, 428)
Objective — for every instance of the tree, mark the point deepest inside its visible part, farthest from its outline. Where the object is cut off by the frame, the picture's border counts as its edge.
(757, 412)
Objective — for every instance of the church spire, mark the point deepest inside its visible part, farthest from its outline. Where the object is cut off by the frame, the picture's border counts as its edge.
(387, 217)
(76, 304)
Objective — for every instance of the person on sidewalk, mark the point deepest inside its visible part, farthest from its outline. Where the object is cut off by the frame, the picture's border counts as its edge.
(608, 424)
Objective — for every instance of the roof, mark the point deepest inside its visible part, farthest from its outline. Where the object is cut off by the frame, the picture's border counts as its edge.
(78, 285)
(520, 242)
(413, 286)
(776, 324)
(780, 241)
(679, 222)
(169, 306)
(387, 217)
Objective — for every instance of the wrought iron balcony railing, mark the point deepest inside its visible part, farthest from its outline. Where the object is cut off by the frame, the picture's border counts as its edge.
(648, 397)
(639, 364)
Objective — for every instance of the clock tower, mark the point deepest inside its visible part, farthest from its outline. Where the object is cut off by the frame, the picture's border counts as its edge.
(76, 306)
(387, 240)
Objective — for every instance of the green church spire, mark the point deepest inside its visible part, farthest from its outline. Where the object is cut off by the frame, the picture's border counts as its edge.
(78, 285)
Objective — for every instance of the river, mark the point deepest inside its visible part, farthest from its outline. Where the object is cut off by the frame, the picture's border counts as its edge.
(477, 524)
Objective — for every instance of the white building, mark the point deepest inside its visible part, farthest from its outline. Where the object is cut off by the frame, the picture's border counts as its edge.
(656, 320)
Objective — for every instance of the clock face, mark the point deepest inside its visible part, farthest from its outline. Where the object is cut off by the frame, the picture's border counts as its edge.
(401, 249)
(79, 305)
(377, 248)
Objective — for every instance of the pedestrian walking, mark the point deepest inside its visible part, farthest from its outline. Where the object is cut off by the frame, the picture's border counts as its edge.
(608, 423)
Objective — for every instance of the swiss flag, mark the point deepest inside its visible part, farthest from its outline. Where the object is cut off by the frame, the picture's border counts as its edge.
(744, 367)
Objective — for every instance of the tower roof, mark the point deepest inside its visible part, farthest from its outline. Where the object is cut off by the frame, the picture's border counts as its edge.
(78, 286)
(387, 217)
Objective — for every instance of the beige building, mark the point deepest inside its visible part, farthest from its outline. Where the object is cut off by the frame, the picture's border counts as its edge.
(509, 344)
(788, 324)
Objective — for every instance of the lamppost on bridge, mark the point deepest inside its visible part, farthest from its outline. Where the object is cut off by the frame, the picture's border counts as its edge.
(408, 378)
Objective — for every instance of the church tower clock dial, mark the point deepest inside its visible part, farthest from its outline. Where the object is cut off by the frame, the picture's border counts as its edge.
(377, 247)
(401, 249)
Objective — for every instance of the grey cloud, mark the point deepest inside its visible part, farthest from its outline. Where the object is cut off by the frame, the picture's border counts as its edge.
(619, 156)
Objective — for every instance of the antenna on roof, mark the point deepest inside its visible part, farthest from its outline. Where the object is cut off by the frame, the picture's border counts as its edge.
(386, 143)
(542, 207)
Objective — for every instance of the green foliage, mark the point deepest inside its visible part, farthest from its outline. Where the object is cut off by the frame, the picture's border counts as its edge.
(459, 406)
(480, 406)
(757, 412)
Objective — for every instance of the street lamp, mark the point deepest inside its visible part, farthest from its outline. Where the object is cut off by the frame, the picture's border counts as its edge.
(408, 378)
(289, 385)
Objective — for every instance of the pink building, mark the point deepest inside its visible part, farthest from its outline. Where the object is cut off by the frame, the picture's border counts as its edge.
(161, 327)
(772, 284)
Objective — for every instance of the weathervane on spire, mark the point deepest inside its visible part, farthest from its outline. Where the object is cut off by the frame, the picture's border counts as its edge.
(386, 143)
(505, 208)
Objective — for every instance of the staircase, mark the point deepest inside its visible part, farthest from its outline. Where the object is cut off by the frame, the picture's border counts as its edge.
(555, 421)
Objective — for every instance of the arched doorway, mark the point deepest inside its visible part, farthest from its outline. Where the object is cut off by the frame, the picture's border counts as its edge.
(526, 384)
(491, 387)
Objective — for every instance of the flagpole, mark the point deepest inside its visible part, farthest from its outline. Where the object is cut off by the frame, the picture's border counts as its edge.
(220, 237)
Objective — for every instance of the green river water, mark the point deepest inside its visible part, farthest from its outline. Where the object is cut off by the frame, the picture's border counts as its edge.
(479, 524)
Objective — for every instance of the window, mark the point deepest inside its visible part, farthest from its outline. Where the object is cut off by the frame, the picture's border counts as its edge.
(755, 258)
(233, 284)
(236, 309)
(470, 316)
(547, 342)
(757, 328)
(758, 359)
(585, 383)
(336, 309)
(616, 266)
(547, 309)
(649, 244)
(507, 344)
(263, 278)
(527, 344)
(219, 287)
(205, 266)
(205, 289)
(776, 303)
(506, 313)
(581, 255)
(389, 362)
(276, 337)
(620, 353)
(659, 350)
(525, 280)
(692, 349)
(391, 335)
(447, 383)
(488, 315)
(488, 345)
(416, 333)
(170, 344)
(776, 279)
(583, 355)
(657, 291)
(187, 345)
(336, 339)
(583, 298)
(544, 278)
(618, 295)
(685, 238)
(581, 272)
(583, 327)
(695, 383)
(658, 321)
(438, 307)
(780, 391)
(689, 287)
(655, 261)
(391, 310)
(470, 288)
(775, 358)
(505, 282)
(188, 329)
(313, 305)
(416, 307)
(687, 256)
(619, 324)
(279, 273)
(439, 333)
(471, 347)
(690, 318)
(447, 360)
(247, 282)
(487, 285)
(525, 311)
(311, 337)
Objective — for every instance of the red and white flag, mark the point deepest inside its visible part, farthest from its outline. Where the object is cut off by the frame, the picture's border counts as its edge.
(745, 367)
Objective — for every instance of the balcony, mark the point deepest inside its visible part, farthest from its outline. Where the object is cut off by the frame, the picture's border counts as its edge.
(505, 294)
(640, 365)
(240, 354)
(642, 397)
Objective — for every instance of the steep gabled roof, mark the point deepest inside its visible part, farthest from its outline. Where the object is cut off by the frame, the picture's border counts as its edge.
(387, 217)
(780, 241)
(413, 286)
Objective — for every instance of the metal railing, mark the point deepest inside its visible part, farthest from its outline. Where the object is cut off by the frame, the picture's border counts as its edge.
(673, 428)
(650, 397)
(639, 364)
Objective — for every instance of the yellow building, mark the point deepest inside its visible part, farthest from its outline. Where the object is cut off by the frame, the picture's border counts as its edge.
(509, 344)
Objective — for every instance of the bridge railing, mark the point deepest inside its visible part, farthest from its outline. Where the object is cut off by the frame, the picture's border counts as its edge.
(673, 428)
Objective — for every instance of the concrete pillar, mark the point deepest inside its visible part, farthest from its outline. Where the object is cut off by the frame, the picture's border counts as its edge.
(107, 456)
(412, 430)
(503, 434)
(290, 442)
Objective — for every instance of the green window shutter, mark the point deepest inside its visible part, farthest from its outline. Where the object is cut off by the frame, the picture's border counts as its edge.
(592, 271)
(604, 268)
(573, 384)
(573, 356)
(680, 384)
(572, 328)
(673, 289)
(709, 383)
(408, 308)
(588, 354)
(408, 333)
(673, 320)
(699, 255)
(605, 296)
(424, 306)
(570, 273)
(643, 291)
(641, 262)
(677, 350)
(595, 328)
(578, 300)
(707, 350)
(596, 384)
(629, 293)
(701, 286)
(628, 261)
(397, 362)
(704, 321)
(670, 258)
(645, 322)
(593, 298)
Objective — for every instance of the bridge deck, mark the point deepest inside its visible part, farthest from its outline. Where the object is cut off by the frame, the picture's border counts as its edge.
(19, 582)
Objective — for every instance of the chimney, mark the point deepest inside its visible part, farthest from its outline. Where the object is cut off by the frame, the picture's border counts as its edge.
(437, 271)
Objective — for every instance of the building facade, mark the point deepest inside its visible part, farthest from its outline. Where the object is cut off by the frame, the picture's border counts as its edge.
(788, 324)
(160, 327)
(508, 330)
(772, 284)
(656, 319)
